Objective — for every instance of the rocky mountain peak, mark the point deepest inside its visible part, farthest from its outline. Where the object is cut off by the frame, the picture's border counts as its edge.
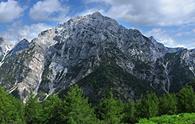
(97, 14)
(23, 44)
(97, 53)
(24, 41)
(95, 20)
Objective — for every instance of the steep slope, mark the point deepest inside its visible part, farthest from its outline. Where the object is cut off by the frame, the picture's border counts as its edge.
(98, 54)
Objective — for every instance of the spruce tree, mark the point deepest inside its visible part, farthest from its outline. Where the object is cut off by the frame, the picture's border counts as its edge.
(148, 106)
(77, 110)
(129, 110)
(167, 104)
(52, 108)
(111, 110)
(11, 109)
(186, 100)
(33, 111)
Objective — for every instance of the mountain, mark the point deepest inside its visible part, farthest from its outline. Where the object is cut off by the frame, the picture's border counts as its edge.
(19, 47)
(5, 47)
(99, 55)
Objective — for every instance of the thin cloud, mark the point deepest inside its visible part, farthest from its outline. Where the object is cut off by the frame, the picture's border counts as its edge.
(152, 12)
(19, 31)
(10, 11)
(51, 10)
(163, 36)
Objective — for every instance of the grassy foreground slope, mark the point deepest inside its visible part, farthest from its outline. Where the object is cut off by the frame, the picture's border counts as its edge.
(171, 119)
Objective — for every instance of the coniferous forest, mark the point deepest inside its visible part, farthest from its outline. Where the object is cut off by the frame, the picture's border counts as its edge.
(75, 108)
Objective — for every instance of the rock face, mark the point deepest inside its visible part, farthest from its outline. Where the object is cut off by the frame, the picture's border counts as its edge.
(19, 47)
(98, 54)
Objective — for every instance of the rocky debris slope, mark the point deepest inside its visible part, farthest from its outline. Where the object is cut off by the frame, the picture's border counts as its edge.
(97, 53)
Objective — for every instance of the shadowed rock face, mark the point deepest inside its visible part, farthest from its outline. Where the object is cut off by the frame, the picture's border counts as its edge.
(19, 47)
(97, 53)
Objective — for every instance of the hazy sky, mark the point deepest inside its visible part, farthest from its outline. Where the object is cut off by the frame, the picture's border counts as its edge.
(171, 22)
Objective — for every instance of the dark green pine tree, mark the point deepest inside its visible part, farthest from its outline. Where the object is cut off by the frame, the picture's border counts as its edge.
(111, 110)
(186, 100)
(52, 108)
(77, 110)
(129, 110)
(11, 109)
(148, 106)
(168, 104)
(33, 111)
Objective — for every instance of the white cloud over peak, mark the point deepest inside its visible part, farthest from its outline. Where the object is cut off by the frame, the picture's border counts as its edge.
(9, 11)
(152, 12)
(163, 37)
(19, 31)
(48, 10)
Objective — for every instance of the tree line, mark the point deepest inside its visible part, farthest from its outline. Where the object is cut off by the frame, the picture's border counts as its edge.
(75, 108)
